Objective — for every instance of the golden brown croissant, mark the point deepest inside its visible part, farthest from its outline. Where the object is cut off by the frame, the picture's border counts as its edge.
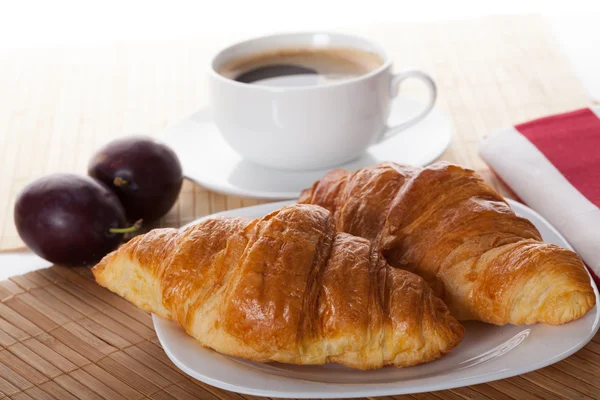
(287, 288)
(446, 224)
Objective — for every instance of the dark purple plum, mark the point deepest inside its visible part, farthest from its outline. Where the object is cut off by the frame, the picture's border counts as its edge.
(69, 219)
(145, 175)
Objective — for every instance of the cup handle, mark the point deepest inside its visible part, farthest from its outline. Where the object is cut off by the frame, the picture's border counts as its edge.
(395, 82)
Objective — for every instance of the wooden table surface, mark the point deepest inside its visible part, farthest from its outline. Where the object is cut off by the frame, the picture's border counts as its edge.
(58, 105)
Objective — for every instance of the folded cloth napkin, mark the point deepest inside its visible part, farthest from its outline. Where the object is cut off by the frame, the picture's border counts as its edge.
(553, 165)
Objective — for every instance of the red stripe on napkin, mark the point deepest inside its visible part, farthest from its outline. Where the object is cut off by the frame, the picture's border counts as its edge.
(571, 142)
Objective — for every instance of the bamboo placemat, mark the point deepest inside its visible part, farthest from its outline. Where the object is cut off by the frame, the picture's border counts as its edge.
(64, 337)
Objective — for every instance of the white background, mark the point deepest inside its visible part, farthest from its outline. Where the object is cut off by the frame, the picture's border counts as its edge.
(33, 23)
(66, 22)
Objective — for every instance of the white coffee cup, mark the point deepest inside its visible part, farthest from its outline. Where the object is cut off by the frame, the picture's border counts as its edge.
(308, 127)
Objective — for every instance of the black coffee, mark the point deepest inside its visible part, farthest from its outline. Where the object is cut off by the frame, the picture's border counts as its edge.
(301, 66)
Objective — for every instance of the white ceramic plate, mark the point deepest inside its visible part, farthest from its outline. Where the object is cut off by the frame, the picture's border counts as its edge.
(487, 352)
(207, 159)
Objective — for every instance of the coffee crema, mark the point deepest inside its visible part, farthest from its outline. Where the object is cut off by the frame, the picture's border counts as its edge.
(308, 66)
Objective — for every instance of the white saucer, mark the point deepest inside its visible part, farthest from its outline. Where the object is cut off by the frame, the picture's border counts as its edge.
(208, 160)
(487, 353)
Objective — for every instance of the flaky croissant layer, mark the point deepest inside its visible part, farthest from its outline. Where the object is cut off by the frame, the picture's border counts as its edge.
(284, 288)
(446, 224)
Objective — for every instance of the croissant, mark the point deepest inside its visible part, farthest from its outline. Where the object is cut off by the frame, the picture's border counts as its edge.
(446, 224)
(287, 288)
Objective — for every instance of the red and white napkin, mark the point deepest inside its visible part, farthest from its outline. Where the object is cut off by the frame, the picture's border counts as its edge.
(553, 165)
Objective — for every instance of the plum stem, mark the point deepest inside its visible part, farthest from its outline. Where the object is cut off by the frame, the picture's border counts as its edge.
(132, 228)
(118, 181)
